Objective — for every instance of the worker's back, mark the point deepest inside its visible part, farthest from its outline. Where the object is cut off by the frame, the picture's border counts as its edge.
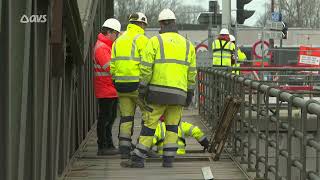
(126, 57)
(173, 68)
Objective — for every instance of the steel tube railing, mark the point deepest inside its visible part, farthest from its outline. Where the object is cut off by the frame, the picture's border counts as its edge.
(257, 135)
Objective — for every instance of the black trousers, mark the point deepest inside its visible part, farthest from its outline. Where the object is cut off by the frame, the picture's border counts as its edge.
(107, 113)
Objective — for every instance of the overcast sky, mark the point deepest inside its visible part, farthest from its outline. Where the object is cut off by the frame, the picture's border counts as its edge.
(257, 5)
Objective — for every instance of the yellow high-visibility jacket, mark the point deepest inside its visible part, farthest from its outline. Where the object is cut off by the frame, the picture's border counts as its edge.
(241, 57)
(168, 68)
(126, 57)
(222, 52)
(185, 130)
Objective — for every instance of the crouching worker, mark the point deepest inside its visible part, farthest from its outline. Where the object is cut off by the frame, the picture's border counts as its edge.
(185, 130)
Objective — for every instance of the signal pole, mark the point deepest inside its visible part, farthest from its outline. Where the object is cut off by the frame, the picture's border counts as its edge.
(226, 14)
(280, 11)
(213, 7)
(271, 41)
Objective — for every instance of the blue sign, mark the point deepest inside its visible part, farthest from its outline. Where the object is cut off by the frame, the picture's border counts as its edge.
(276, 16)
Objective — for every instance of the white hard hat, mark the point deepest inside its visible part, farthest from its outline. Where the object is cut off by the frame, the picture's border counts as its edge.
(112, 24)
(138, 17)
(232, 38)
(166, 14)
(224, 31)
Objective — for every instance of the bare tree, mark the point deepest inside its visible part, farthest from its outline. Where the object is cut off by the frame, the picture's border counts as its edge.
(123, 8)
(186, 14)
(261, 22)
(297, 13)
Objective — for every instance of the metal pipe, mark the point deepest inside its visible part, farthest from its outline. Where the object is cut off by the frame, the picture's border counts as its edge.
(284, 68)
(250, 168)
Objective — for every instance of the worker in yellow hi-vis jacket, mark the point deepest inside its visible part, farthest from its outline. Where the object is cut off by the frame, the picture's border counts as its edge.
(185, 130)
(223, 50)
(241, 55)
(168, 71)
(126, 58)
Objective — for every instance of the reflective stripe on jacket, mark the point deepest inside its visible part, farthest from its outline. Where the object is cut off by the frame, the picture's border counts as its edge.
(222, 52)
(185, 130)
(103, 86)
(126, 55)
(168, 67)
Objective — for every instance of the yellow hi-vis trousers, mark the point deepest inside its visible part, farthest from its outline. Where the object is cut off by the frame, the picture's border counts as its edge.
(172, 115)
(127, 103)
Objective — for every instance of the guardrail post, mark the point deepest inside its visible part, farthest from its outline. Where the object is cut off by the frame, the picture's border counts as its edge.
(277, 123)
(268, 119)
(235, 93)
(242, 117)
(289, 137)
(210, 100)
(258, 176)
(303, 143)
(318, 151)
(250, 168)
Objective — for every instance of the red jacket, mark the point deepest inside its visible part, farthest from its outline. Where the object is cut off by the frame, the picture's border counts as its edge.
(103, 85)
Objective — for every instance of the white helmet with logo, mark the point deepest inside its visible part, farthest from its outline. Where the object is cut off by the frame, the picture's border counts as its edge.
(112, 24)
(224, 31)
(166, 14)
(138, 17)
(232, 38)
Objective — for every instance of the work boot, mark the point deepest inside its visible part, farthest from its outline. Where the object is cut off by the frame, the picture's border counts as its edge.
(133, 162)
(167, 162)
(125, 152)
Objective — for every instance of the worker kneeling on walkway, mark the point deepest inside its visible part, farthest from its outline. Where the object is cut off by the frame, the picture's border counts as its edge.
(185, 130)
(168, 70)
(126, 55)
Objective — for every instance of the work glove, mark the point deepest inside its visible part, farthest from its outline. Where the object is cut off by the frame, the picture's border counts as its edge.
(189, 98)
(143, 91)
(205, 144)
(233, 59)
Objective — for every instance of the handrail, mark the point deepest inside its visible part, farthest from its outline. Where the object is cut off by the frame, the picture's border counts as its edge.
(260, 126)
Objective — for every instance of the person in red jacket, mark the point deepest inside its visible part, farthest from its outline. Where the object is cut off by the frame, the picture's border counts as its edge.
(105, 91)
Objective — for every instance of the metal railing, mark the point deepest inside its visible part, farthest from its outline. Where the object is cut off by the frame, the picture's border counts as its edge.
(46, 95)
(276, 134)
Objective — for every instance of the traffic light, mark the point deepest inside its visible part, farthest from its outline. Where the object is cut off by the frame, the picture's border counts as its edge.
(285, 30)
(203, 17)
(242, 14)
